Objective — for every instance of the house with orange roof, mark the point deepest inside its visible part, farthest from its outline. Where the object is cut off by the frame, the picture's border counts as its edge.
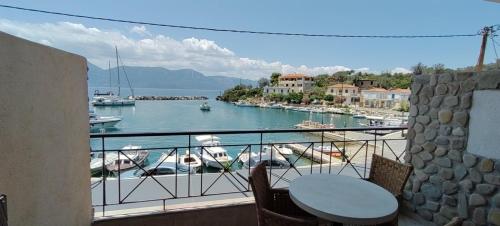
(291, 83)
(296, 82)
(350, 93)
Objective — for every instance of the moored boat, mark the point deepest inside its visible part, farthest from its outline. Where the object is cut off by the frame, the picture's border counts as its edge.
(205, 107)
(102, 122)
(269, 156)
(211, 154)
(130, 157)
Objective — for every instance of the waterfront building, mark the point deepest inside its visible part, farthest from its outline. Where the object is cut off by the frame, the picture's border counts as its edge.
(296, 82)
(382, 98)
(398, 96)
(374, 98)
(291, 83)
(350, 93)
(276, 90)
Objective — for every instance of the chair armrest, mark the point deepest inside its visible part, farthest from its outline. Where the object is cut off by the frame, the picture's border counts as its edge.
(272, 218)
(279, 191)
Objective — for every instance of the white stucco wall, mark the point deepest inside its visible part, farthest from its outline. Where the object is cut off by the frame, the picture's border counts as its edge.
(44, 144)
(484, 124)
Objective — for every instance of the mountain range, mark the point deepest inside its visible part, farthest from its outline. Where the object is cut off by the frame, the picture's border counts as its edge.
(162, 78)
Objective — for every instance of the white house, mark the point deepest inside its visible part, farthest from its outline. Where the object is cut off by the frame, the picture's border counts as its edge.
(349, 92)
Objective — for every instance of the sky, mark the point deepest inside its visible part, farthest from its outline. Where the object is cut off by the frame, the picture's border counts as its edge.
(255, 56)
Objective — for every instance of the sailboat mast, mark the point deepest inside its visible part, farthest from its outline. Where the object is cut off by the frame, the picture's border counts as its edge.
(118, 70)
(109, 70)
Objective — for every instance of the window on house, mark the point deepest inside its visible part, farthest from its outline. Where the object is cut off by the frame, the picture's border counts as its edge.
(346, 91)
(293, 85)
(286, 85)
(281, 91)
(299, 85)
(371, 83)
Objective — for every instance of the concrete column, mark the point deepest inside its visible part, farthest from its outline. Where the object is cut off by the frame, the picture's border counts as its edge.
(44, 135)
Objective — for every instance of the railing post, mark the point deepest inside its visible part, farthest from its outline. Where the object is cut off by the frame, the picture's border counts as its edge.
(189, 170)
(201, 175)
(103, 178)
(176, 170)
(344, 150)
(249, 162)
(321, 154)
(271, 164)
(119, 178)
(3, 210)
(312, 157)
(375, 145)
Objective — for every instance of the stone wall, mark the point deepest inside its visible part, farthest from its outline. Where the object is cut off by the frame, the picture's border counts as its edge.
(449, 181)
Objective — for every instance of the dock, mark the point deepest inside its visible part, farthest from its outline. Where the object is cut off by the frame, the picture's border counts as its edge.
(171, 98)
(315, 156)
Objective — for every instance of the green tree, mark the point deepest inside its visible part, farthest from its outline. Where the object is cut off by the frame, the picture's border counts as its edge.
(317, 93)
(263, 82)
(241, 92)
(329, 97)
(277, 97)
(322, 80)
(294, 98)
(275, 78)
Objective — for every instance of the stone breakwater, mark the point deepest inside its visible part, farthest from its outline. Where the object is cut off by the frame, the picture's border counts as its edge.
(448, 180)
(171, 98)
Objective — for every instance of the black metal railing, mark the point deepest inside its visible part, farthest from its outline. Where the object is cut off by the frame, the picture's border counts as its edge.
(349, 153)
(3, 210)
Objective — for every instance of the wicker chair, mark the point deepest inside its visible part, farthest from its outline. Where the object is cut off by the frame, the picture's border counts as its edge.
(274, 206)
(390, 175)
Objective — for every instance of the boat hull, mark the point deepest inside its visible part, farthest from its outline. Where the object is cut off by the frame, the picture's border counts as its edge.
(103, 124)
(114, 103)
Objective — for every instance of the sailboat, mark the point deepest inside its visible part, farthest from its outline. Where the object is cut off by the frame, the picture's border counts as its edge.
(109, 98)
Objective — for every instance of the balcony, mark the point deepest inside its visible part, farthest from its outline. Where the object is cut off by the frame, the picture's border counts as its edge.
(118, 198)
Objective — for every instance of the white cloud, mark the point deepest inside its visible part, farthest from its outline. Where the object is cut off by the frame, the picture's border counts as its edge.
(141, 30)
(206, 56)
(400, 70)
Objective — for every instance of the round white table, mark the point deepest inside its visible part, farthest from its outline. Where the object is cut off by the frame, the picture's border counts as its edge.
(343, 199)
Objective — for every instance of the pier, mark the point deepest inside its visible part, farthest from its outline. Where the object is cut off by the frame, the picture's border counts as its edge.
(171, 98)
(315, 156)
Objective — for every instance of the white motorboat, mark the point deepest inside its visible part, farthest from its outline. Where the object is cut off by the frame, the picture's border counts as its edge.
(276, 106)
(189, 162)
(101, 122)
(130, 157)
(269, 156)
(284, 151)
(185, 162)
(245, 104)
(358, 115)
(97, 158)
(212, 155)
(205, 107)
